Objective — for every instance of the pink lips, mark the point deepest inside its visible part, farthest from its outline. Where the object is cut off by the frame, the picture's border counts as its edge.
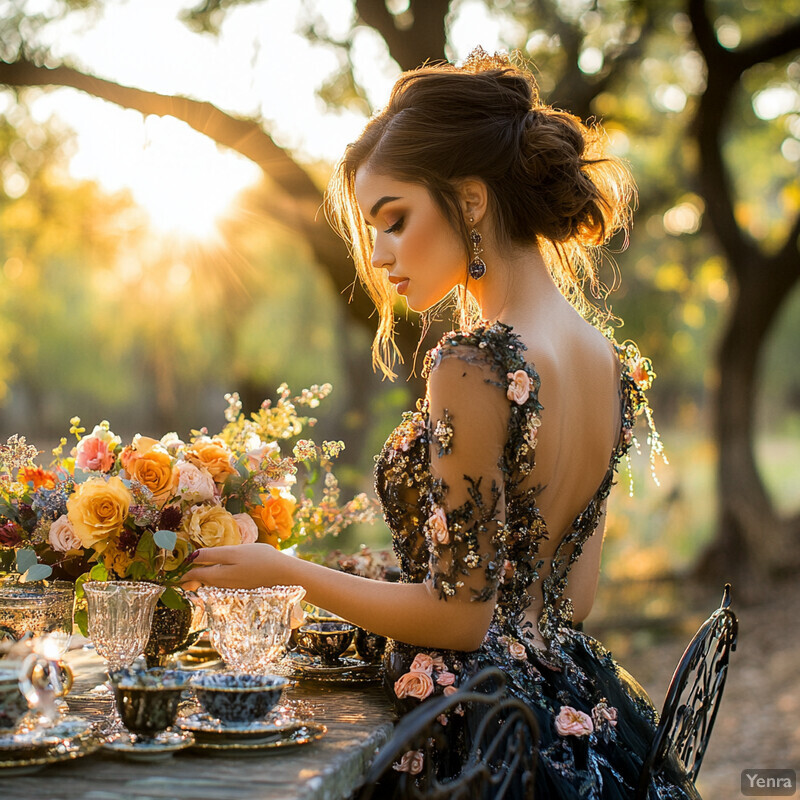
(400, 284)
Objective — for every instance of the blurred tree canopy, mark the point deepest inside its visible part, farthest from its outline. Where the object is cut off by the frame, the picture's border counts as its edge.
(702, 97)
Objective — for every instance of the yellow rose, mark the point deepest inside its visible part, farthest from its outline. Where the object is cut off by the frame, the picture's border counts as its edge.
(214, 456)
(274, 517)
(97, 510)
(211, 526)
(148, 462)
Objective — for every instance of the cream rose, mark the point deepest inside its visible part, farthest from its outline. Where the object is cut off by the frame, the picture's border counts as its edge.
(211, 526)
(248, 529)
(62, 536)
(257, 454)
(411, 762)
(418, 685)
(97, 510)
(437, 527)
(519, 387)
(571, 722)
(195, 485)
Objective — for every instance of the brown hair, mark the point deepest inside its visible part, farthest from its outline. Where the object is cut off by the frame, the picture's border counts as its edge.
(550, 179)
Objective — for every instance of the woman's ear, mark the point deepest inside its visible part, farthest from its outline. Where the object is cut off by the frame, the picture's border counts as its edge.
(474, 198)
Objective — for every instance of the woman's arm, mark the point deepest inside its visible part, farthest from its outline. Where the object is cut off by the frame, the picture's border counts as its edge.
(408, 612)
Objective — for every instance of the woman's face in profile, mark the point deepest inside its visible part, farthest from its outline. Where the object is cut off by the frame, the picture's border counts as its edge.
(424, 257)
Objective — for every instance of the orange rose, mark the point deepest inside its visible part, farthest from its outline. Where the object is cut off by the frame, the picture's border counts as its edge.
(148, 462)
(274, 517)
(214, 456)
(97, 511)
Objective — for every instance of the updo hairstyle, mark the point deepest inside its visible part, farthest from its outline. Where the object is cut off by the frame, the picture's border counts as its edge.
(549, 179)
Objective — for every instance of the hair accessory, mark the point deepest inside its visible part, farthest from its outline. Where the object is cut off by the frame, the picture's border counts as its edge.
(477, 267)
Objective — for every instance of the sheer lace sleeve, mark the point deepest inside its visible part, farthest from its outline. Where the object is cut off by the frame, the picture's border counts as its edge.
(469, 418)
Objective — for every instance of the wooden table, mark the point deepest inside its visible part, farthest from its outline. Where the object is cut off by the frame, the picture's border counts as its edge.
(359, 722)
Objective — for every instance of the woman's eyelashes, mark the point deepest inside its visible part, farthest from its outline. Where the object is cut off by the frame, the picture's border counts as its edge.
(396, 226)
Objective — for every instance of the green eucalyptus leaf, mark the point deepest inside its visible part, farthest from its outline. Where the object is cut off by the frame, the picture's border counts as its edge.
(26, 558)
(81, 476)
(235, 505)
(165, 539)
(38, 572)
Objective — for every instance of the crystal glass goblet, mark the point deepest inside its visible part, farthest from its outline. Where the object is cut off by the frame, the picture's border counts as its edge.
(120, 616)
(250, 627)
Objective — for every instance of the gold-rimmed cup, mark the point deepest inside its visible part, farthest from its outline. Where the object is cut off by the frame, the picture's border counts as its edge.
(326, 640)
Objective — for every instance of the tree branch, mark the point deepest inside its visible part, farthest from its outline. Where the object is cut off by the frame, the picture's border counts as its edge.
(245, 136)
(768, 48)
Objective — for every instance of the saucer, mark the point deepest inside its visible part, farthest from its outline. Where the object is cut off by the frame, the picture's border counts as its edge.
(348, 671)
(208, 729)
(158, 748)
(67, 740)
(312, 665)
(37, 742)
(303, 733)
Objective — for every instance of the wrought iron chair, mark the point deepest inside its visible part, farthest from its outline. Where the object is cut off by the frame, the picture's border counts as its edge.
(693, 697)
(500, 763)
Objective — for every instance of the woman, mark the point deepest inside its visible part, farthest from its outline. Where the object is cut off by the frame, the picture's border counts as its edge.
(495, 487)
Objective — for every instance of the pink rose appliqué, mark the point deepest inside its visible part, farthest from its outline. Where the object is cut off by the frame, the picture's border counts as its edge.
(448, 690)
(437, 527)
(571, 722)
(519, 388)
(517, 651)
(446, 678)
(418, 685)
(603, 713)
(411, 762)
(422, 663)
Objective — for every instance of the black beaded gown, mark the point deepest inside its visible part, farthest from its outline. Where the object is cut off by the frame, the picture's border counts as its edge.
(481, 534)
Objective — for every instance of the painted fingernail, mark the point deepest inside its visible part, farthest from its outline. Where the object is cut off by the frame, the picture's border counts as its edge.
(192, 556)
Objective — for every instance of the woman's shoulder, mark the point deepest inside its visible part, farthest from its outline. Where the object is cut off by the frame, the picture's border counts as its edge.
(489, 346)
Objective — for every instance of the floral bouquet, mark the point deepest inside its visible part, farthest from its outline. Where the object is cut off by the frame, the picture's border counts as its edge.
(105, 511)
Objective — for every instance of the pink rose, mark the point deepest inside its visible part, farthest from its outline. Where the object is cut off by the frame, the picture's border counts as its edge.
(448, 690)
(418, 685)
(437, 527)
(519, 388)
(445, 679)
(195, 485)
(442, 719)
(571, 722)
(604, 713)
(422, 663)
(517, 651)
(411, 762)
(93, 454)
(247, 528)
(62, 536)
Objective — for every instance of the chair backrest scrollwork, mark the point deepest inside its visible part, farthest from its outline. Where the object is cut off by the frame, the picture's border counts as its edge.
(693, 697)
(501, 759)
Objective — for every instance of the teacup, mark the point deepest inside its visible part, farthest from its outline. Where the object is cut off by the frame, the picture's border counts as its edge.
(328, 640)
(369, 646)
(147, 700)
(238, 697)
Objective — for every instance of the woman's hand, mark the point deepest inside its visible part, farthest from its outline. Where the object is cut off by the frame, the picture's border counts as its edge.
(241, 566)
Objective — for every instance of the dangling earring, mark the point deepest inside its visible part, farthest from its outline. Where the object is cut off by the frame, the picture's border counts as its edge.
(477, 267)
